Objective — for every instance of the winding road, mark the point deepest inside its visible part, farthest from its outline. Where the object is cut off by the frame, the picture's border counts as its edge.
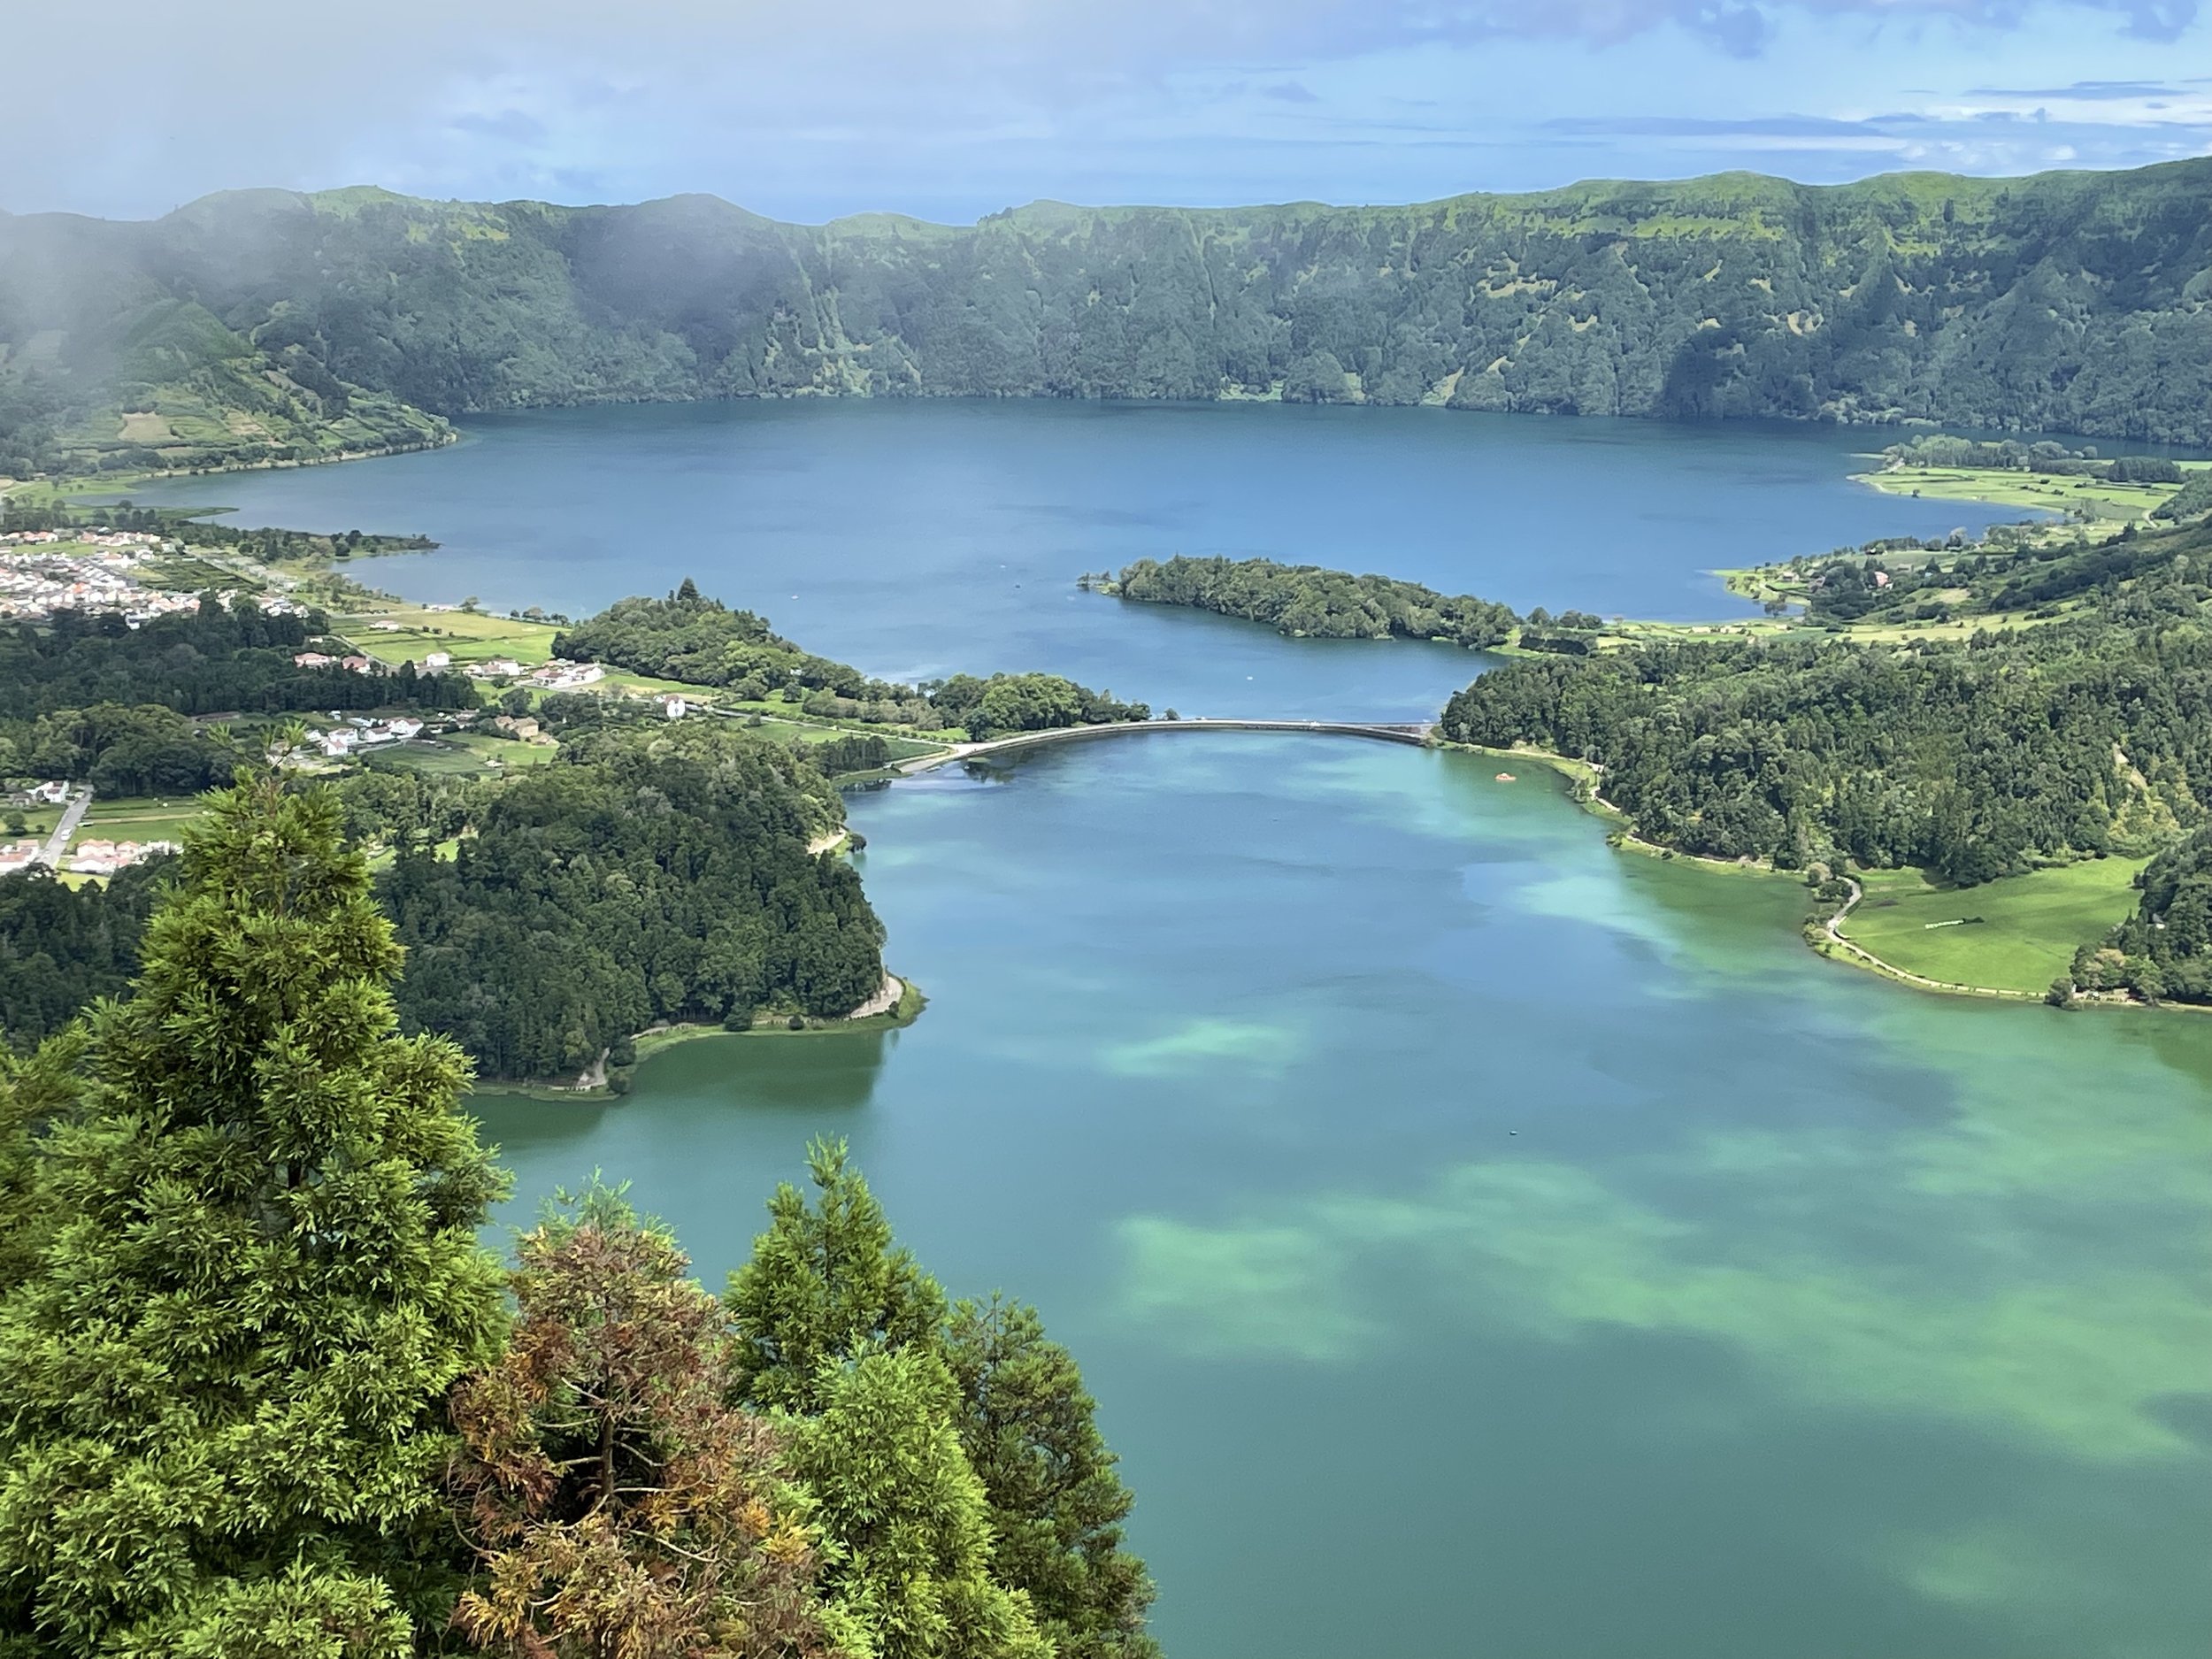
(1906, 975)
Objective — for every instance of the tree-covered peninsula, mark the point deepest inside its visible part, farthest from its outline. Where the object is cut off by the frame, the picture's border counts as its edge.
(1976, 713)
(1308, 601)
(702, 642)
(268, 1396)
(648, 873)
(265, 326)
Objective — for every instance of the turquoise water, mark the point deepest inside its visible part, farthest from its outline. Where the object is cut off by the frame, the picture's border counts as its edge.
(1483, 1242)
(922, 539)
(1480, 1242)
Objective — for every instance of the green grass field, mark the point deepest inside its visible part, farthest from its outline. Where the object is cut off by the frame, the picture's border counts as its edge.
(2004, 488)
(136, 819)
(464, 754)
(466, 637)
(2029, 928)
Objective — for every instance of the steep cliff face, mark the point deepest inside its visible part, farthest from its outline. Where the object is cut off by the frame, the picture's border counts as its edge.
(2073, 302)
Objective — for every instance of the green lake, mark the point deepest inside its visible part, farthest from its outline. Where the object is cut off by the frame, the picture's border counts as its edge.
(1482, 1241)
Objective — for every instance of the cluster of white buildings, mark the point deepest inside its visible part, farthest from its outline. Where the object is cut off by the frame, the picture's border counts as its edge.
(90, 858)
(357, 734)
(352, 663)
(46, 571)
(16, 855)
(553, 676)
(138, 539)
(35, 585)
(559, 676)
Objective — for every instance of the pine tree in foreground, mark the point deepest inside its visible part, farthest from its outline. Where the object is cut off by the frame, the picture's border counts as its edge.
(224, 1423)
(825, 1282)
(913, 1568)
(1057, 1507)
(620, 1505)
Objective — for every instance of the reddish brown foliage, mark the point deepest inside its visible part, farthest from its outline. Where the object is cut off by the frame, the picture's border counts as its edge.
(621, 1509)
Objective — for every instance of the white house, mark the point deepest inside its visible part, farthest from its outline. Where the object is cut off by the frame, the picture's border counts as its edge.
(674, 705)
(437, 662)
(559, 676)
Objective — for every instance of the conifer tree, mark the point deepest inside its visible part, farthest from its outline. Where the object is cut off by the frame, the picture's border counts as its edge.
(913, 1562)
(34, 1089)
(825, 1282)
(1031, 1433)
(224, 1421)
(620, 1504)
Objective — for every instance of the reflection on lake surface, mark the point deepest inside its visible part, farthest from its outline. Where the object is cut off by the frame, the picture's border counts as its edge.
(1479, 1242)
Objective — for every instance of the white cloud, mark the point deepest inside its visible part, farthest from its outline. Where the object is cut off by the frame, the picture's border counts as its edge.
(953, 109)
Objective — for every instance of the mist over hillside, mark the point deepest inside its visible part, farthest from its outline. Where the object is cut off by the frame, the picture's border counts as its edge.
(266, 325)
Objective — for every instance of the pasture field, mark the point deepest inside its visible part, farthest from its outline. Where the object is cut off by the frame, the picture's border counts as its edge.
(2018, 934)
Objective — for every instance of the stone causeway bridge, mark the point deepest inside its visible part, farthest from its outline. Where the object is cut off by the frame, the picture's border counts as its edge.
(1417, 734)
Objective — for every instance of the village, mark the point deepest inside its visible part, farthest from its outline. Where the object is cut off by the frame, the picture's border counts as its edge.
(58, 826)
(46, 571)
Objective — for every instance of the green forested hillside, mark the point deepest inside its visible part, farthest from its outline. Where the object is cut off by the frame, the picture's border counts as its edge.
(2073, 301)
(2164, 950)
(2082, 728)
(702, 642)
(265, 1396)
(650, 873)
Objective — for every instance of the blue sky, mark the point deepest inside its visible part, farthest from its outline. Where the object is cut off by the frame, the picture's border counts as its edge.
(951, 109)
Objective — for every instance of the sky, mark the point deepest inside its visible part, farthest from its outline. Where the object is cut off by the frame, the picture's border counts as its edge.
(952, 109)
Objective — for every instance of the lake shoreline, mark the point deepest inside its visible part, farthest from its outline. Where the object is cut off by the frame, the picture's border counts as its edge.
(658, 1040)
(1821, 933)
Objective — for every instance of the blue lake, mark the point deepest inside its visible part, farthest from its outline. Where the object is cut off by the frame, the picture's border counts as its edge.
(916, 540)
(1480, 1242)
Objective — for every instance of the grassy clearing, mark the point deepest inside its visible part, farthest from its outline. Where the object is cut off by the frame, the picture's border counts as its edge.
(506, 751)
(37, 820)
(466, 636)
(2016, 934)
(2001, 487)
(465, 754)
(136, 819)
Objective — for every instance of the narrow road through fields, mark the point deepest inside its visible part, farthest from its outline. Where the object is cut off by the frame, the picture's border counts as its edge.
(72, 815)
(1950, 987)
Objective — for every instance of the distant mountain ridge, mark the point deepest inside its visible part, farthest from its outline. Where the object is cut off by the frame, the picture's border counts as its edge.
(264, 324)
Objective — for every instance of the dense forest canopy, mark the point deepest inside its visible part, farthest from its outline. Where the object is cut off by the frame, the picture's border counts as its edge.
(89, 696)
(258, 324)
(2164, 950)
(62, 947)
(1305, 599)
(649, 872)
(2087, 733)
